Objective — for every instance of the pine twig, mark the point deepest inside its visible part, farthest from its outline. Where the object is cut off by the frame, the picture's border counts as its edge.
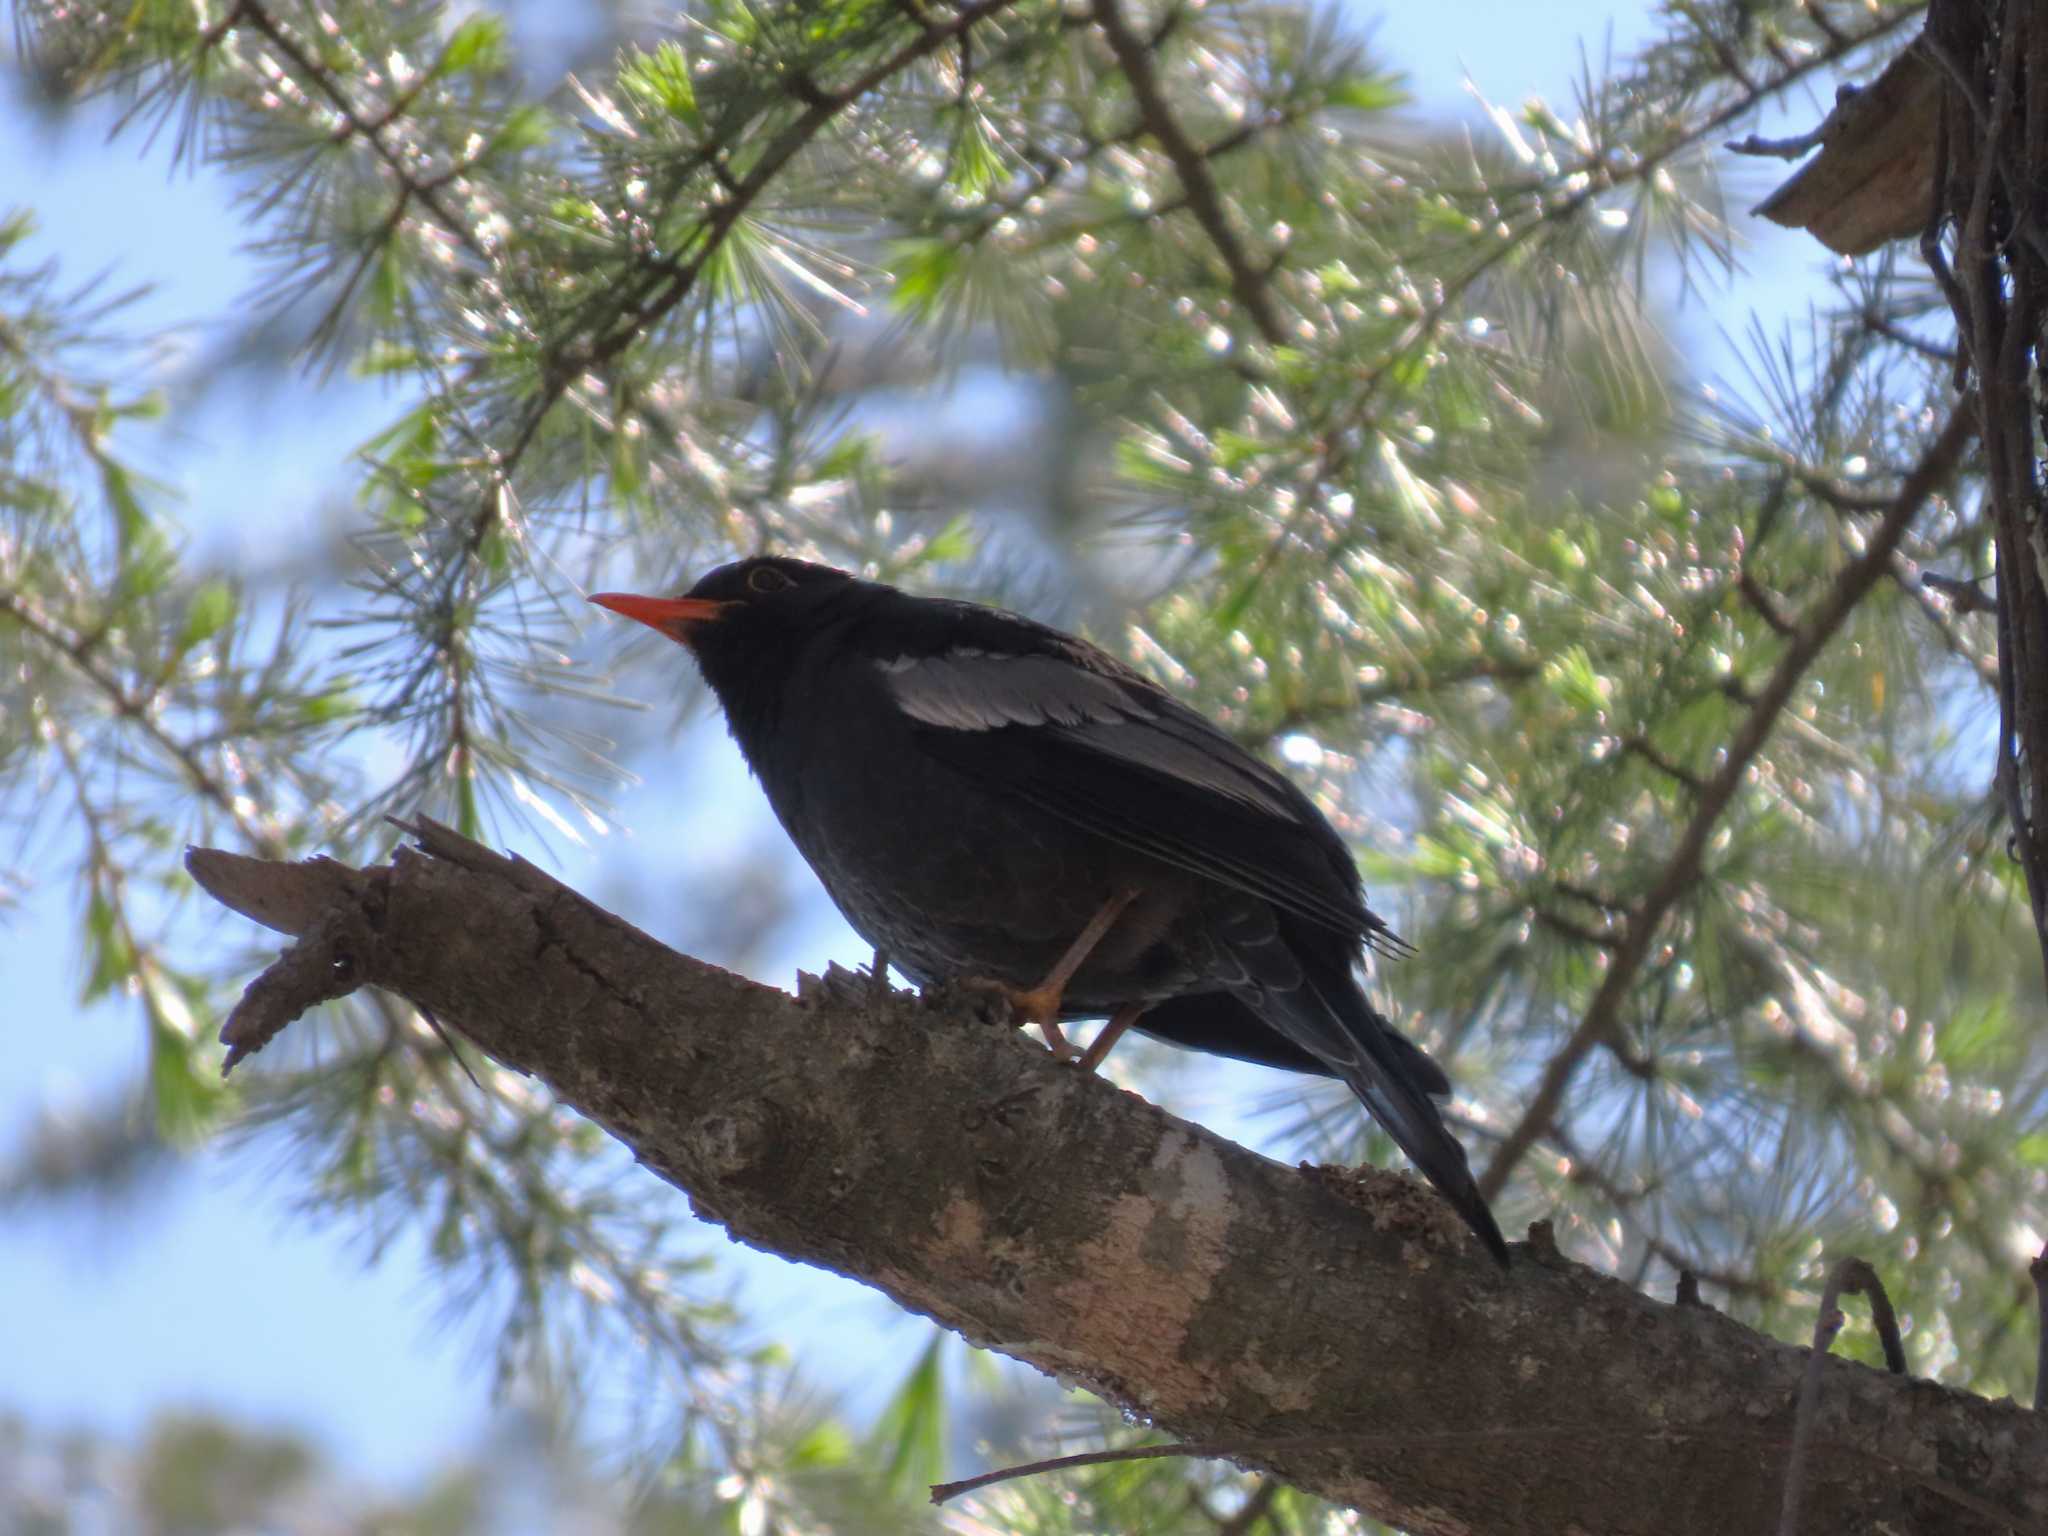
(662, 285)
(412, 188)
(1815, 630)
(1198, 184)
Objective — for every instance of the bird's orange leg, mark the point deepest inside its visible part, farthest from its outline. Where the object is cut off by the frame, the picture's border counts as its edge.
(1040, 1005)
(1113, 1031)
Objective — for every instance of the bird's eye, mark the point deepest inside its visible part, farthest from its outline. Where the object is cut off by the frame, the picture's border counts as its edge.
(766, 578)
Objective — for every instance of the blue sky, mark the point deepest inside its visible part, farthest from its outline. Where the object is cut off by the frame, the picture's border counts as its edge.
(206, 1291)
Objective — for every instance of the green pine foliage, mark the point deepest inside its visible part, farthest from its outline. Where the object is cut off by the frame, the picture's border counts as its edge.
(1371, 440)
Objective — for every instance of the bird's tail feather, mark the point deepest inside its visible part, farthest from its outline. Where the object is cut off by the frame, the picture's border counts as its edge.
(1392, 1076)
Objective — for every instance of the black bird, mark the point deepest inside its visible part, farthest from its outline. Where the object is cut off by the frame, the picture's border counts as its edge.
(990, 800)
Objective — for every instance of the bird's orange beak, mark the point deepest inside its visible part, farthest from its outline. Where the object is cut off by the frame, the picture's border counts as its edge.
(673, 616)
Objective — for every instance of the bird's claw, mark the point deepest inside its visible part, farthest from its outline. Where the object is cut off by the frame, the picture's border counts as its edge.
(1028, 1005)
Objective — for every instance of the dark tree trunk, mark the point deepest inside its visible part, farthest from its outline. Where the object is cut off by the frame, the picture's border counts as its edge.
(1988, 246)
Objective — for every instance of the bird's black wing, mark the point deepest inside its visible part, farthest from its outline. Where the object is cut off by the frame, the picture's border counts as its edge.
(1029, 711)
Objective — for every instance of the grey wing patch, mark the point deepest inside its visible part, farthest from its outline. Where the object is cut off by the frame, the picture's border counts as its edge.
(971, 690)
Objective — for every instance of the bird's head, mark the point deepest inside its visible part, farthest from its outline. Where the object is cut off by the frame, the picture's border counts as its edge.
(748, 597)
(745, 619)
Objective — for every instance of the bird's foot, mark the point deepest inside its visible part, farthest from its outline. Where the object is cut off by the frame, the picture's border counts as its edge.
(1029, 1005)
(1108, 1036)
(1040, 1005)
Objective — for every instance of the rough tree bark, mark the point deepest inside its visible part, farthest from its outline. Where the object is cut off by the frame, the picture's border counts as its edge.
(1339, 1327)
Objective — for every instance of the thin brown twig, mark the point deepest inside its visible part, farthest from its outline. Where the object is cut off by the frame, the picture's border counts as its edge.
(1236, 1450)
(1050, 169)
(1892, 331)
(1963, 598)
(137, 710)
(1866, 1283)
(1605, 178)
(1248, 283)
(105, 871)
(371, 132)
(1816, 628)
(1842, 495)
(1643, 747)
(1571, 929)
(942, 1493)
(669, 281)
(1765, 605)
(1825, 1327)
(1855, 1277)
(1586, 893)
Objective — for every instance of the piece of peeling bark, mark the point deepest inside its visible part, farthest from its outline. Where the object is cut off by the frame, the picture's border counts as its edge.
(1072, 1225)
(1873, 180)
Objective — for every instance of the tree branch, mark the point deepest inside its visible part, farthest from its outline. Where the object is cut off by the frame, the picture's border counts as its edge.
(1814, 630)
(411, 187)
(664, 283)
(1308, 714)
(143, 712)
(1600, 174)
(1197, 182)
(1333, 1327)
